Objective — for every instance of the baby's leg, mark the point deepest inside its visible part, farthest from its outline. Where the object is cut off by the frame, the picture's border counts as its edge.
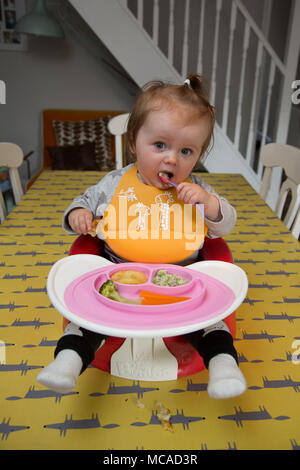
(215, 345)
(74, 352)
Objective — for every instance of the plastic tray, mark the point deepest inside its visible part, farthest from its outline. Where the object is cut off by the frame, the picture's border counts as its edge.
(215, 289)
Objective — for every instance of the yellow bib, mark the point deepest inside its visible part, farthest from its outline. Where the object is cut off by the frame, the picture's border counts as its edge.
(146, 224)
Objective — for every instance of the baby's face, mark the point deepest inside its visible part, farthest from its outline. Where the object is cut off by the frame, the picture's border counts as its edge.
(169, 141)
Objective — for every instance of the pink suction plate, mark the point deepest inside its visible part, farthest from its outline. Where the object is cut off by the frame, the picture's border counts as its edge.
(209, 297)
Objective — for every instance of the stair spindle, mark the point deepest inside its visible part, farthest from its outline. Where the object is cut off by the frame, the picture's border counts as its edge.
(229, 65)
(185, 50)
(155, 22)
(238, 125)
(201, 36)
(140, 12)
(171, 33)
(267, 112)
(215, 52)
(255, 107)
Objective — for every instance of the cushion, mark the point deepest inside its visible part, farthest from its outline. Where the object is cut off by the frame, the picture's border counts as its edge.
(74, 157)
(80, 132)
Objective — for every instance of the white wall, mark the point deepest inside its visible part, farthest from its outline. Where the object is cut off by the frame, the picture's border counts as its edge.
(55, 74)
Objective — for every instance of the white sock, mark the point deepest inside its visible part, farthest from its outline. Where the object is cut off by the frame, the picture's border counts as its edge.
(225, 378)
(61, 375)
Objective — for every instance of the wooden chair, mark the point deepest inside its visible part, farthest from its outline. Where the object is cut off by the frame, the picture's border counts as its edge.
(288, 158)
(11, 156)
(48, 135)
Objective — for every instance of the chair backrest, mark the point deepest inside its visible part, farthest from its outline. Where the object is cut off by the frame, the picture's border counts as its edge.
(287, 157)
(117, 126)
(11, 156)
(71, 115)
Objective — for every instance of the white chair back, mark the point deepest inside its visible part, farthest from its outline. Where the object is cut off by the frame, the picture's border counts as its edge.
(117, 126)
(11, 156)
(287, 157)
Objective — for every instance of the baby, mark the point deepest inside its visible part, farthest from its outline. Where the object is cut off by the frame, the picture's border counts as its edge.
(170, 128)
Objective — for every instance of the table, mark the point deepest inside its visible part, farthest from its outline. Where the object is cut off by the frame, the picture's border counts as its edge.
(105, 412)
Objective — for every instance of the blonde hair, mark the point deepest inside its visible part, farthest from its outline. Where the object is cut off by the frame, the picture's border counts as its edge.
(157, 93)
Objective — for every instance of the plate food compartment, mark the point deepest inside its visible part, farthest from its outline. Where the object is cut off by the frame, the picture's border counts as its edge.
(187, 275)
(208, 298)
(132, 275)
(194, 289)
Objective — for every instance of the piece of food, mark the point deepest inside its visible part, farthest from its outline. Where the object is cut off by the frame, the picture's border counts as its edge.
(166, 174)
(164, 415)
(93, 232)
(163, 278)
(129, 276)
(165, 178)
(152, 298)
(109, 290)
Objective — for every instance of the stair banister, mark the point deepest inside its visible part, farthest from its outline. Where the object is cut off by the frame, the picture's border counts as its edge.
(292, 55)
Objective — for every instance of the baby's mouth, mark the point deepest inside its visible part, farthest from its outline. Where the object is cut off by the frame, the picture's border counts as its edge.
(165, 175)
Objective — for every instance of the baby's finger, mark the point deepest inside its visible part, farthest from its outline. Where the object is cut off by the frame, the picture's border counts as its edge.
(181, 190)
(85, 223)
(73, 223)
(184, 193)
(77, 222)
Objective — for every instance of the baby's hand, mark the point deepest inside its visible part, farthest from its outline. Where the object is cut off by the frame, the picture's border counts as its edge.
(191, 193)
(80, 220)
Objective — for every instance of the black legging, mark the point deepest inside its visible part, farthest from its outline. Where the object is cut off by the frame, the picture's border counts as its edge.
(208, 345)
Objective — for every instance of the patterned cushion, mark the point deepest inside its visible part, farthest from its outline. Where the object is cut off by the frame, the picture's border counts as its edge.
(74, 157)
(80, 132)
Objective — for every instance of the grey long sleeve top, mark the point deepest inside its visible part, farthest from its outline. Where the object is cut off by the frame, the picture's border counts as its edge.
(98, 197)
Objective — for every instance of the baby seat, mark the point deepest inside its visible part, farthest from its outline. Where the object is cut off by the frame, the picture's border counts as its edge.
(152, 358)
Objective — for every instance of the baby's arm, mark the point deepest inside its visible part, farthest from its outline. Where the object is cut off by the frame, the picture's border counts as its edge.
(80, 213)
(93, 203)
(192, 193)
(220, 224)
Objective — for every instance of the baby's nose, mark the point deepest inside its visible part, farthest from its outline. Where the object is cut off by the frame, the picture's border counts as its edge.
(171, 157)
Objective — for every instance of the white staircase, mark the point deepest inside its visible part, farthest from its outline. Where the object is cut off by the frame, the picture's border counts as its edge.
(250, 84)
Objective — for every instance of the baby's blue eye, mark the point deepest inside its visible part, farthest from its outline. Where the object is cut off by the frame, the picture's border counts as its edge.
(186, 151)
(159, 145)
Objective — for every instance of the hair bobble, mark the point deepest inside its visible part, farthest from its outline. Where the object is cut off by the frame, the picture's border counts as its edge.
(187, 82)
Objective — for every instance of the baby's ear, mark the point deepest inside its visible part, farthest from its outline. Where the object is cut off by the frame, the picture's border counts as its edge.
(130, 149)
(130, 144)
